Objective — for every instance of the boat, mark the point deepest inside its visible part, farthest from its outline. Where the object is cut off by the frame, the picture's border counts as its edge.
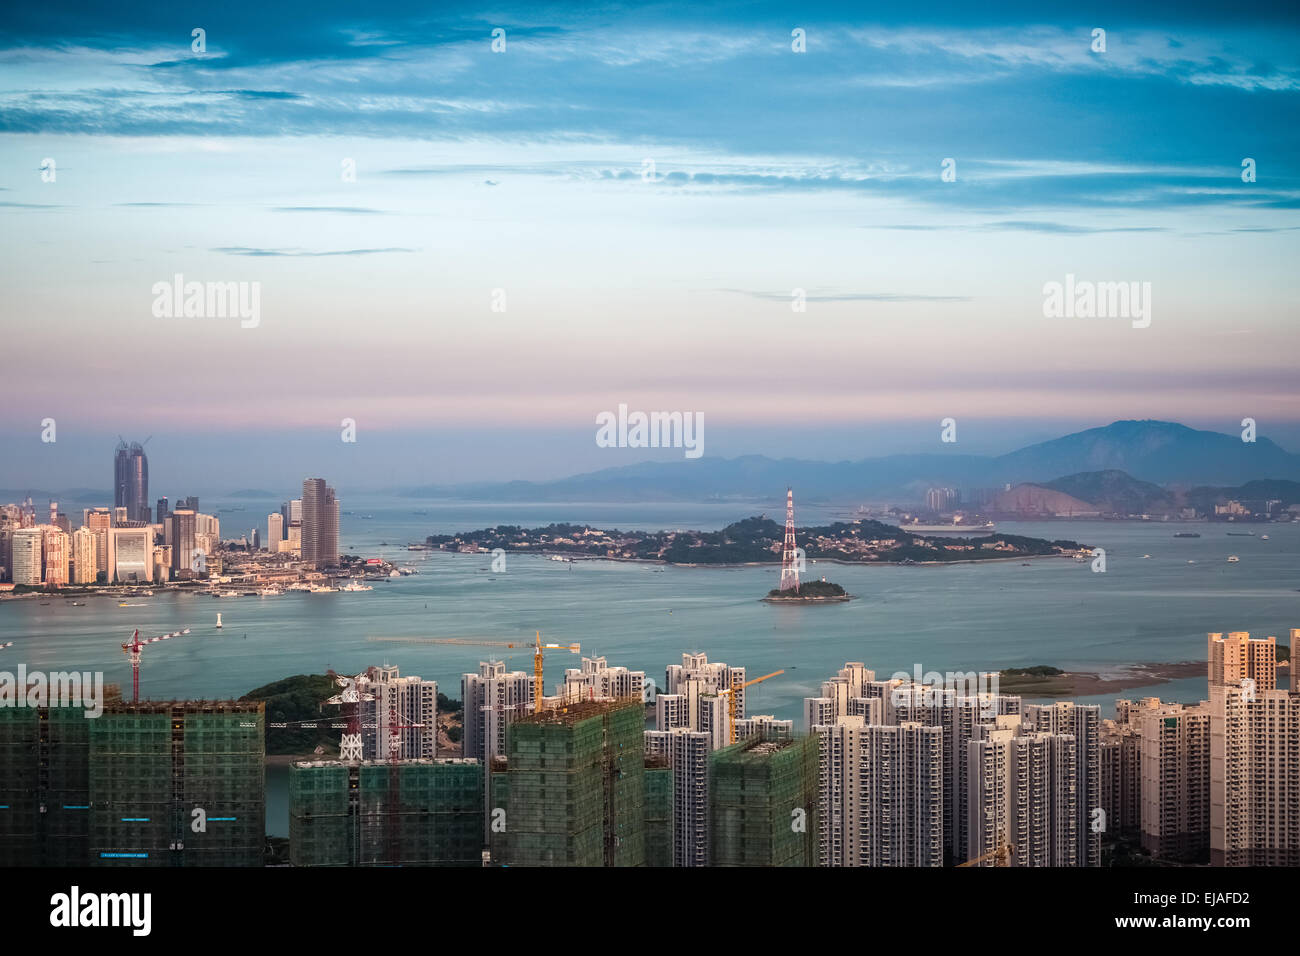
(1145, 556)
(322, 589)
(219, 624)
(1191, 562)
(1186, 534)
(1232, 559)
(1241, 534)
(1263, 537)
(356, 586)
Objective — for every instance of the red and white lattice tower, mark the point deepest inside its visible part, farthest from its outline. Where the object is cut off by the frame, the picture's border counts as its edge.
(789, 559)
(350, 750)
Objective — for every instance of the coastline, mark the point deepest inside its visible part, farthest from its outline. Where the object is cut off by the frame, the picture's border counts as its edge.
(1090, 683)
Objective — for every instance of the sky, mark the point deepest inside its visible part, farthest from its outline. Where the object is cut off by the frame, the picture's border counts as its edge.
(472, 253)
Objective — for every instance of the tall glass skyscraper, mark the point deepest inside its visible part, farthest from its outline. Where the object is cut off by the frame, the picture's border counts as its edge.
(320, 524)
(131, 480)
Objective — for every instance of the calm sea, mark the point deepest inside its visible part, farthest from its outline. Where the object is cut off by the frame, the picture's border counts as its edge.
(961, 617)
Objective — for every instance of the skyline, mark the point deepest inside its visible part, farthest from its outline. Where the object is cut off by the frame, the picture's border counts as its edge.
(522, 171)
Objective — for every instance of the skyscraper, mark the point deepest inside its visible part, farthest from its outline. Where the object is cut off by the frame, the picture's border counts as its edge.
(274, 532)
(320, 524)
(182, 538)
(131, 480)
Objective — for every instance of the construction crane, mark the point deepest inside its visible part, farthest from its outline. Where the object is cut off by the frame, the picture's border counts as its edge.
(133, 649)
(1002, 854)
(350, 700)
(731, 700)
(538, 684)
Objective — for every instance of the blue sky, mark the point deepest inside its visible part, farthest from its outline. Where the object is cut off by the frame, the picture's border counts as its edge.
(526, 171)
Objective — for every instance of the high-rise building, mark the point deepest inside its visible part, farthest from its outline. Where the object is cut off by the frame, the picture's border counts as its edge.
(274, 532)
(595, 679)
(1174, 742)
(1083, 722)
(100, 520)
(130, 555)
(320, 524)
(55, 556)
(182, 538)
(1023, 790)
(131, 480)
(84, 563)
(577, 786)
(162, 512)
(1254, 777)
(28, 556)
(1239, 657)
(693, 697)
(413, 701)
(493, 699)
(342, 814)
(880, 794)
(687, 752)
(763, 803)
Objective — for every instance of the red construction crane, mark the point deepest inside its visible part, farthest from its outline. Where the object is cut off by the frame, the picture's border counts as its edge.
(133, 649)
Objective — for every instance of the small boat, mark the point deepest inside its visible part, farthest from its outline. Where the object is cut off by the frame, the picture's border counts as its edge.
(219, 624)
(1191, 562)
(1186, 534)
(1232, 559)
(1145, 556)
(1263, 537)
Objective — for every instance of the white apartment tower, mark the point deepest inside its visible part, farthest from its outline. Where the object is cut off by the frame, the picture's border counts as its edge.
(493, 699)
(415, 703)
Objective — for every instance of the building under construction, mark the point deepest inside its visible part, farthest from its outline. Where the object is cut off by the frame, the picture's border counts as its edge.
(577, 786)
(44, 786)
(763, 803)
(124, 788)
(406, 813)
(178, 783)
(658, 812)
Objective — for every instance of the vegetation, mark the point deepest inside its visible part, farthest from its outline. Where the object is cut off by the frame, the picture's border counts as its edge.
(298, 698)
(810, 589)
(756, 540)
(1039, 670)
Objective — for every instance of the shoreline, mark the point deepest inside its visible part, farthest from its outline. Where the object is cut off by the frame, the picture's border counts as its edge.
(1092, 683)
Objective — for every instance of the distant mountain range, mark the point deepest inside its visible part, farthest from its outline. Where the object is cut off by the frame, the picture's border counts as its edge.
(1155, 452)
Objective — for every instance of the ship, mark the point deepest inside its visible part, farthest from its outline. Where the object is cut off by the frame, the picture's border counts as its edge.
(1186, 534)
(986, 528)
(1232, 558)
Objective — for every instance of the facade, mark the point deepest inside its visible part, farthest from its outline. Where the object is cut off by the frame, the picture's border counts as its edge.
(763, 803)
(577, 786)
(1254, 777)
(415, 703)
(412, 813)
(595, 679)
(1174, 748)
(130, 555)
(695, 680)
(181, 538)
(28, 556)
(55, 548)
(493, 699)
(686, 752)
(880, 799)
(131, 480)
(84, 564)
(1083, 722)
(1239, 657)
(320, 524)
(1022, 795)
(274, 532)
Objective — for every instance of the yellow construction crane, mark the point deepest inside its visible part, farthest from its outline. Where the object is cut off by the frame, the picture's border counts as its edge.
(537, 646)
(1002, 853)
(731, 701)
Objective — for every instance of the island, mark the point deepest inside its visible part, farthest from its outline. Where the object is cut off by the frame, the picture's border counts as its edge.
(756, 540)
(810, 592)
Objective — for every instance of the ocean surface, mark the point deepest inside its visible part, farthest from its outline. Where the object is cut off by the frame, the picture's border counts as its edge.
(979, 616)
